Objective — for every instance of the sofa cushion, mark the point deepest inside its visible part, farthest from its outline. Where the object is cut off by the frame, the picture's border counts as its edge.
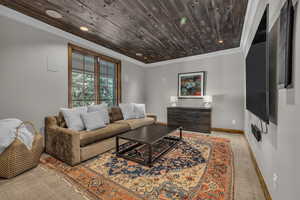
(89, 137)
(115, 114)
(137, 123)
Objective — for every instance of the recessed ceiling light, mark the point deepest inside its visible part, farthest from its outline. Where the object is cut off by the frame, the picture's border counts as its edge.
(221, 41)
(54, 14)
(139, 54)
(183, 20)
(84, 28)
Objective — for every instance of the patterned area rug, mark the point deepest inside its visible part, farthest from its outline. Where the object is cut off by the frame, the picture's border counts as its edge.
(200, 167)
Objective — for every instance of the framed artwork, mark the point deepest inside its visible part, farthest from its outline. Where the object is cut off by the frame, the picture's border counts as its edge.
(191, 85)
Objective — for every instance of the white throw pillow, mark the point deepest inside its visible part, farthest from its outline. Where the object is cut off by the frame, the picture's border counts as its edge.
(127, 110)
(93, 120)
(73, 119)
(140, 110)
(102, 109)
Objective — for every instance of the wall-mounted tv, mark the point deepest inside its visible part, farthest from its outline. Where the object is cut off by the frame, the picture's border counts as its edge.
(257, 72)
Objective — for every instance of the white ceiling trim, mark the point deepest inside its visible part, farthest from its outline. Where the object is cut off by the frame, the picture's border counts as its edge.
(276, 13)
(197, 57)
(249, 22)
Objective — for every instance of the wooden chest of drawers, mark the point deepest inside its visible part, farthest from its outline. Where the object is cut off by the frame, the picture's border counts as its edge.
(190, 118)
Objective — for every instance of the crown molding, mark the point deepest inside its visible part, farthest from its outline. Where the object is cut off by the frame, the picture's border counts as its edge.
(197, 57)
(19, 17)
(248, 29)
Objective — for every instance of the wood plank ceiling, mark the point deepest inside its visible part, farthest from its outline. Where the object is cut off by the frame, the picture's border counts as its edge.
(158, 29)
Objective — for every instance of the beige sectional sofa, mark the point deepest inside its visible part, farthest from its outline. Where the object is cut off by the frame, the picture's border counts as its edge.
(73, 147)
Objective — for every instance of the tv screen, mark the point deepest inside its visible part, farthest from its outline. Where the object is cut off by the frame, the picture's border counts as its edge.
(257, 73)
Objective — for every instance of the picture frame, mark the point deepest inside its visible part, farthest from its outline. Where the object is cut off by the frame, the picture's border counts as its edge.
(191, 85)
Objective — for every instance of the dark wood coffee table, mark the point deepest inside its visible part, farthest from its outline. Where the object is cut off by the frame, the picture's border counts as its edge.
(148, 137)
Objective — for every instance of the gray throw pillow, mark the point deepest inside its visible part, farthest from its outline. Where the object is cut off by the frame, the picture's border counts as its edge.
(93, 120)
(127, 110)
(140, 110)
(102, 109)
(73, 119)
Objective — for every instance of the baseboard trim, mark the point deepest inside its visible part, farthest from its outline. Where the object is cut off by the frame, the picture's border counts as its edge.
(235, 131)
(263, 184)
(162, 123)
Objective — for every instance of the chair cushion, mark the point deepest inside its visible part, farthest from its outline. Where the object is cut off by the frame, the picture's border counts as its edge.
(89, 137)
(137, 123)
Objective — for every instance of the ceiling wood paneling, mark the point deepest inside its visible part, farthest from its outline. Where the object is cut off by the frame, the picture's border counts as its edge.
(150, 27)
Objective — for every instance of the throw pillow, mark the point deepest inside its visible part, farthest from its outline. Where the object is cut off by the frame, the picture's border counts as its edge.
(127, 110)
(102, 109)
(140, 110)
(73, 119)
(93, 120)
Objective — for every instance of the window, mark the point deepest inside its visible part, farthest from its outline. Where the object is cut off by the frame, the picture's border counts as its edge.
(93, 78)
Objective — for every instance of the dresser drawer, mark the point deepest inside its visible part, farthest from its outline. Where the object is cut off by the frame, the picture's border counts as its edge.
(191, 119)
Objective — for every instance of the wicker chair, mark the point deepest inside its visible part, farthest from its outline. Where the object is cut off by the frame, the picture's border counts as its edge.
(17, 159)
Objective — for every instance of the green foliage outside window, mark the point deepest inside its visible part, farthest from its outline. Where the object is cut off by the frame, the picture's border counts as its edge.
(83, 82)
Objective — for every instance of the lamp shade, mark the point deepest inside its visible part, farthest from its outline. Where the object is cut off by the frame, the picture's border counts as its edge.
(173, 99)
(207, 99)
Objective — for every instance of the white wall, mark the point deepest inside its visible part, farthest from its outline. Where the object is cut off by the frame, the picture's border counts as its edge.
(278, 153)
(224, 82)
(30, 92)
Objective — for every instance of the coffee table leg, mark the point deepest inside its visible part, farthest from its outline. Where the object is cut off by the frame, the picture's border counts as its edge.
(150, 156)
(117, 145)
(180, 133)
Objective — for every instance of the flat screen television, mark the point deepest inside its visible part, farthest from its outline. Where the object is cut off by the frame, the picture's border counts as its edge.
(257, 72)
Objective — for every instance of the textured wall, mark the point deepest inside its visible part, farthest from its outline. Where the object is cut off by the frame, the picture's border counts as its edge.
(224, 82)
(277, 153)
(28, 90)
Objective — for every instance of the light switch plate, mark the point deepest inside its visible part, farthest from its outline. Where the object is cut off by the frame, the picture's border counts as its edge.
(52, 65)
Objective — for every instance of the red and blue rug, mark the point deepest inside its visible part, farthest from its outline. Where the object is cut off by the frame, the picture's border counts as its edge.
(200, 167)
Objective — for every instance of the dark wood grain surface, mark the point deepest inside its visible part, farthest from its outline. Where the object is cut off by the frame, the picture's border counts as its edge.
(149, 134)
(159, 29)
(190, 118)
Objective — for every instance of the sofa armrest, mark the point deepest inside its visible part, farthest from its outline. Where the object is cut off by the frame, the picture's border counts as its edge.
(152, 116)
(62, 143)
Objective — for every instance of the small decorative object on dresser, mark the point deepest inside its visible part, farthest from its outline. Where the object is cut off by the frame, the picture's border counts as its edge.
(173, 100)
(196, 119)
(207, 100)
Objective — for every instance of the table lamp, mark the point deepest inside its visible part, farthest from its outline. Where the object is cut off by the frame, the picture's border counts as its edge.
(173, 100)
